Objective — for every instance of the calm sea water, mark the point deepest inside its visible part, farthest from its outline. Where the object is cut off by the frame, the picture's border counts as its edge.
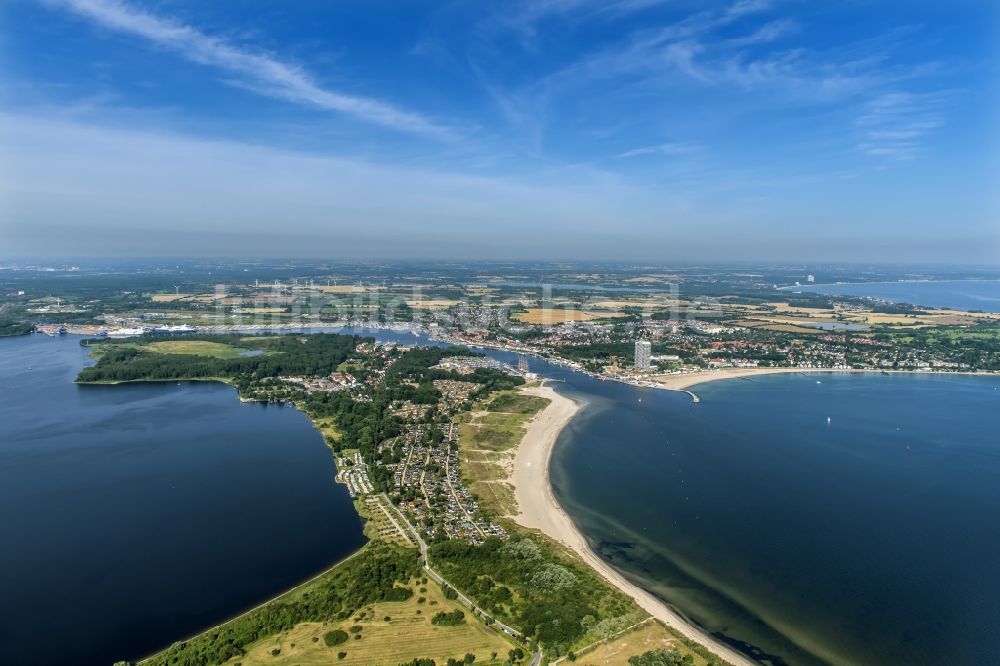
(869, 539)
(139, 514)
(136, 515)
(955, 294)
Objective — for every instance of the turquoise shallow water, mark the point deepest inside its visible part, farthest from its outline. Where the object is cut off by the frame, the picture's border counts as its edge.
(869, 539)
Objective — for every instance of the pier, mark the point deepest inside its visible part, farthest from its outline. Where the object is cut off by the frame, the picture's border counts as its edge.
(694, 397)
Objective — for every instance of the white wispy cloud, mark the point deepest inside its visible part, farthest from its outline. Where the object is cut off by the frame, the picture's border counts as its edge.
(689, 46)
(737, 46)
(896, 124)
(260, 72)
(524, 17)
(671, 149)
(768, 32)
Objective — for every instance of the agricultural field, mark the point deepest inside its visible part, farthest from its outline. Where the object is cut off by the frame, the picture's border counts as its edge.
(783, 328)
(176, 298)
(343, 289)
(375, 641)
(261, 310)
(649, 302)
(432, 303)
(780, 313)
(169, 298)
(560, 315)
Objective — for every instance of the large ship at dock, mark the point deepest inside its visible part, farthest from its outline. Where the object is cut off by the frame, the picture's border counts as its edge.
(183, 328)
(126, 332)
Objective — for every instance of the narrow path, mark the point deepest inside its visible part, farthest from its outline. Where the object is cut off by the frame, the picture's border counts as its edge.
(468, 603)
(380, 499)
(451, 489)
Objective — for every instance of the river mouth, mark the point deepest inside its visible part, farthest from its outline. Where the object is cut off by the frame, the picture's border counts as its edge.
(797, 539)
(860, 539)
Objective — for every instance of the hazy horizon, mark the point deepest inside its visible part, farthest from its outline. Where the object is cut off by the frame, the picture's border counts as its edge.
(629, 130)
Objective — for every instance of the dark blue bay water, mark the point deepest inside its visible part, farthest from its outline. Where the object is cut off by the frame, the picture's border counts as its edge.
(873, 539)
(955, 294)
(137, 515)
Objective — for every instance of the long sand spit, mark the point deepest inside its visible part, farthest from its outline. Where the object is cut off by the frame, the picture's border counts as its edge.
(538, 509)
(686, 380)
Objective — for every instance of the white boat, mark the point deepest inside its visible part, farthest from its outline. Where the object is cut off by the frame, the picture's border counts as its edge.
(183, 328)
(125, 332)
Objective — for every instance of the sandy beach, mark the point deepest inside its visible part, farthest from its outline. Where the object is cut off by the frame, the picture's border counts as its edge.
(538, 509)
(682, 382)
(685, 381)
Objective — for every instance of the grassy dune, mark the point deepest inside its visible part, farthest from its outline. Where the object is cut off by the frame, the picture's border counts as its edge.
(408, 634)
(650, 636)
(488, 434)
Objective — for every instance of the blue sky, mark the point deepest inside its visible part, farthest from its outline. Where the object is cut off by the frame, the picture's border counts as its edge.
(619, 129)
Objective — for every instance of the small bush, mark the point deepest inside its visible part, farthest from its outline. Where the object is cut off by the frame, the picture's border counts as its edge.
(398, 594)
(454, 618)
(661, 657)
(335, 637)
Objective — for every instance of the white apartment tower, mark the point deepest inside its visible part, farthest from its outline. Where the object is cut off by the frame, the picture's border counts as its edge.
(643, 351)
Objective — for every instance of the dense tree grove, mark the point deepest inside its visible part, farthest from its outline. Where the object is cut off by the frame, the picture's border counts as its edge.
(370, 576)
(312, 355)
(527, 585)
(661, 657)
(12, 327)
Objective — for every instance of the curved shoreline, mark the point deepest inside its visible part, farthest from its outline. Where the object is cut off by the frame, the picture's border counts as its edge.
(685, 381)
(285, 593)
(539, 509)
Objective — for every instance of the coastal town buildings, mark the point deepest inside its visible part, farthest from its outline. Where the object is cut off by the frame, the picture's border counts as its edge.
(643, 353)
